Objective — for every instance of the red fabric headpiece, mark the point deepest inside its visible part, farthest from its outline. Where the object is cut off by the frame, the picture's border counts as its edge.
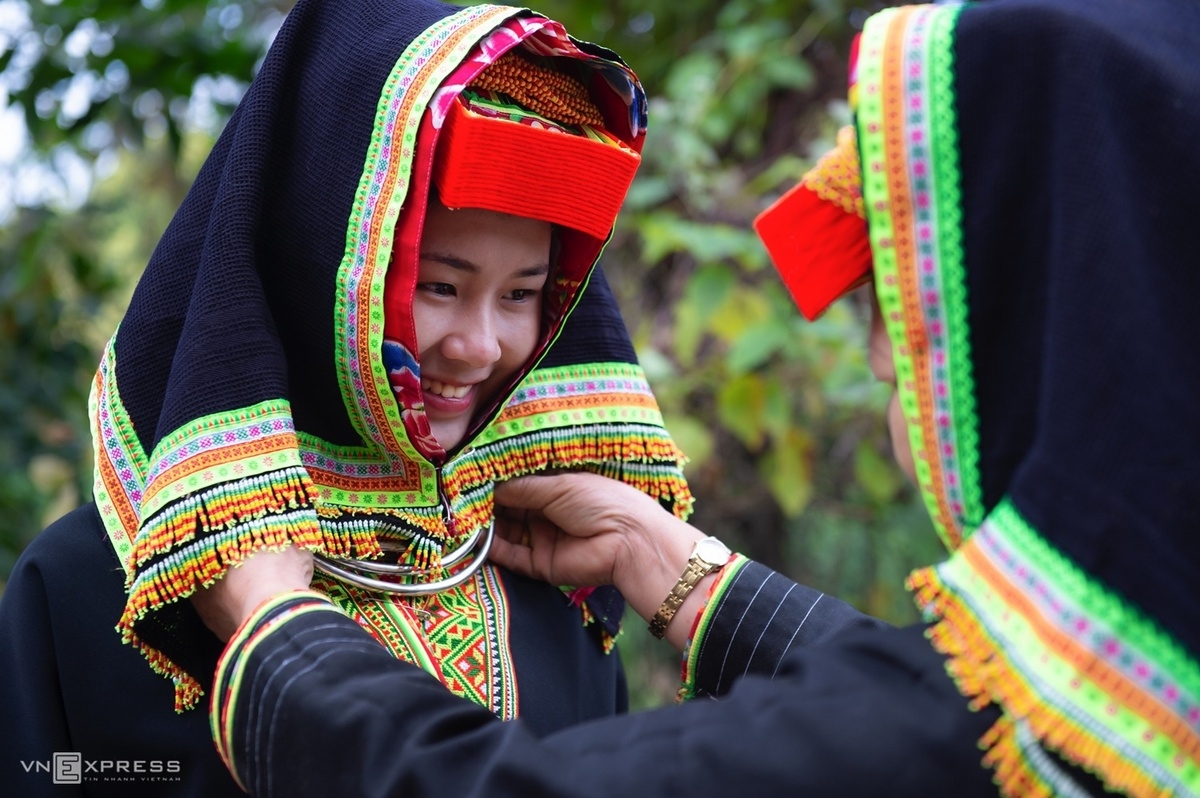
(516, 116)
(816, 233)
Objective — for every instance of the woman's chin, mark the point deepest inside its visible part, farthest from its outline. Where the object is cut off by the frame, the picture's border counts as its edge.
(449, 433)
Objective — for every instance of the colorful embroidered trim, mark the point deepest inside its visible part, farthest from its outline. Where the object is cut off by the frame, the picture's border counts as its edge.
(210, 494)
(600, 416)
(227, 682)
(691, 648)
(358, 337)
(120, 464)
(1092, 677)
(911, 182)
(460, 636)
(1048, 776)
(356, 477)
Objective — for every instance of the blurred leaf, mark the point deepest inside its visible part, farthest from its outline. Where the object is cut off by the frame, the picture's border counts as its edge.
(778, 412)
(791, 73)
(693, 76)
(784, 172)
(646, 192)
(744, 309)
(657, 366)
(740, 405)
(707, 289)
(880, 479)
(787, 469)
(690, 326)
(665, 233)
(756, 344)
(693, 437)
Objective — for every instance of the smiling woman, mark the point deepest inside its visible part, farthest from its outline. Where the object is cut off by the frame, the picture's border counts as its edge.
(477, 309)
(374, 304)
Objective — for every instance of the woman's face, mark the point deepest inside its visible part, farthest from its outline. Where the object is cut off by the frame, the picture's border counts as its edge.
(883, 366)
(477, 309)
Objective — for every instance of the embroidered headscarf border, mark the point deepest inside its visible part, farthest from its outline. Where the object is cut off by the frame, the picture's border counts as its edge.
(1072, 664)
(910, 189)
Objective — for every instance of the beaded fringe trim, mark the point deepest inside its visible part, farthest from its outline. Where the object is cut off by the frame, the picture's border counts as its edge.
(641, 456)
(979, 668)
(192, 543)
(980, 676)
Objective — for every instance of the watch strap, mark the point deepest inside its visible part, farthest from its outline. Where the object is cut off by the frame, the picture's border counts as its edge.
(696, 569)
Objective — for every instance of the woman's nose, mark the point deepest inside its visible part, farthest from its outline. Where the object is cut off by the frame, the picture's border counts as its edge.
(474, 341)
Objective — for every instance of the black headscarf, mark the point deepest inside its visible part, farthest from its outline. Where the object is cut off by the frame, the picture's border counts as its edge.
(1028, 176)
(243, 403)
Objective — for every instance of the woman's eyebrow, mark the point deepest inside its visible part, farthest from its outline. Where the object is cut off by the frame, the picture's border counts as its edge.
(539, 270)
(462, 264)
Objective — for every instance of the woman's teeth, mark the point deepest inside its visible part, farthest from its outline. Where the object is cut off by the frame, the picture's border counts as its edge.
(442, 389)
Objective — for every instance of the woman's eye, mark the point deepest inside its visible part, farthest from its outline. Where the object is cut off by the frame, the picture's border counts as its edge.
(521, 294)
(438, 289)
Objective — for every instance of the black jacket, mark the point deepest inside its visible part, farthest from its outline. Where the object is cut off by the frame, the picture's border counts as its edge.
(853, 708)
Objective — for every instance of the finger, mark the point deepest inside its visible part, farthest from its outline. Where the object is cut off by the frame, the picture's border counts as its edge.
(518, 559)
(509, 529)
(525, 533)
(556, 556)
(539, 491)
(526, 493)
(510, 513)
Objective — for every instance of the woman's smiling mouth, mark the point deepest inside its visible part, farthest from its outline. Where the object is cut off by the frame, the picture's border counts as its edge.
(445, 390)
(444, 398)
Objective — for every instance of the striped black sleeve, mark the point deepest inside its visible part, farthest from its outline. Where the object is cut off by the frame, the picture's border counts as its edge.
(307, 703)
(754, 618)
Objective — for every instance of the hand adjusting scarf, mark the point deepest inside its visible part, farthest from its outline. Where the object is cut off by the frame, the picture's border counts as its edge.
(1024, 177)
(244, 404)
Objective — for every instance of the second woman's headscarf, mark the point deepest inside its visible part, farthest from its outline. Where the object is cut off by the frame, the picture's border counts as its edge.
(1027, 172)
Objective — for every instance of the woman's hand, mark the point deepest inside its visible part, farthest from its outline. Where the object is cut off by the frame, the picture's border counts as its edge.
(583, 529)
(569, 529)
(228, 602)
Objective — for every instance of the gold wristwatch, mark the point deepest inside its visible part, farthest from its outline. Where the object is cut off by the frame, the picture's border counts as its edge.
(707, 556)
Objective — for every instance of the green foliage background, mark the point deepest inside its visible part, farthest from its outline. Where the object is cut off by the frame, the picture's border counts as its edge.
(783, 424)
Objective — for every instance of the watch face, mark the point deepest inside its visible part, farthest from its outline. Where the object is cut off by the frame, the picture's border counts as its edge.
(712, 551)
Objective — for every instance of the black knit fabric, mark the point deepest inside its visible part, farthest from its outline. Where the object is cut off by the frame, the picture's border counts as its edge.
(1078, 167)
(235, 306)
